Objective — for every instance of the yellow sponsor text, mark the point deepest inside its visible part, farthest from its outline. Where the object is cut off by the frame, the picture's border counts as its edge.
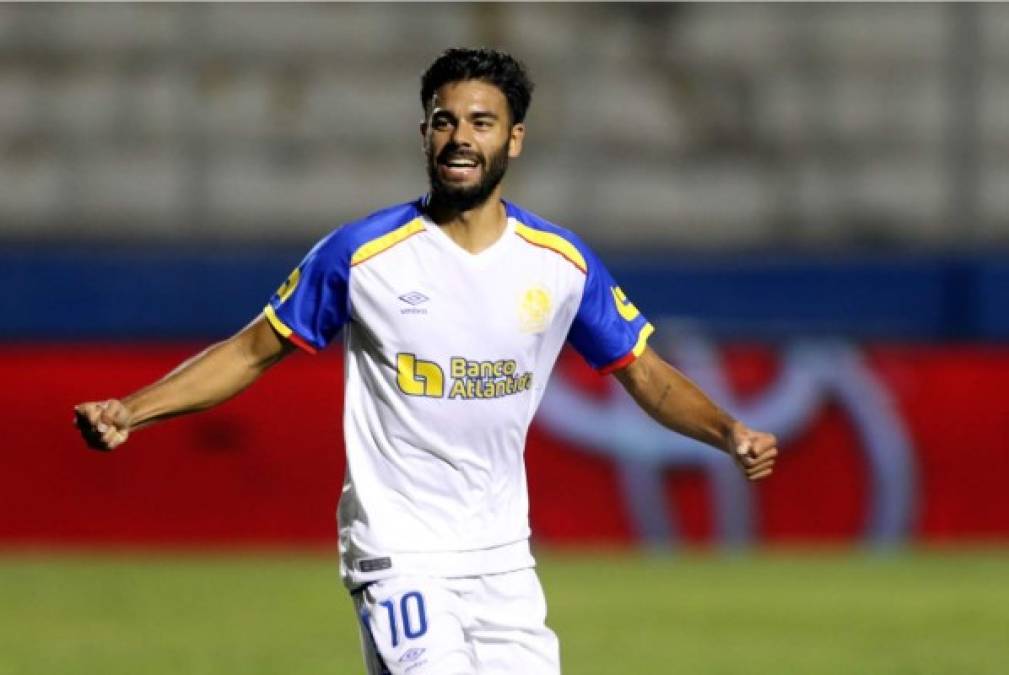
(472, 379)
(469, 378)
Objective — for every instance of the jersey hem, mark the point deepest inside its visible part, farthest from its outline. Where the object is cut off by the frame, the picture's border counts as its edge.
(446, 564)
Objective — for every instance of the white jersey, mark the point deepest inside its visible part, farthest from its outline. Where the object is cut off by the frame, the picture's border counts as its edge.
(447, 357)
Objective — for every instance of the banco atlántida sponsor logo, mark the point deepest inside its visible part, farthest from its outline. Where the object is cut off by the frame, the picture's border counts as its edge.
(467, 378)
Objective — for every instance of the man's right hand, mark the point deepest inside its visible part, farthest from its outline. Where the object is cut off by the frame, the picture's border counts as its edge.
(103, 424)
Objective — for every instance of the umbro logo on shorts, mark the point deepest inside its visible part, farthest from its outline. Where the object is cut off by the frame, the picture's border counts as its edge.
(412, 654)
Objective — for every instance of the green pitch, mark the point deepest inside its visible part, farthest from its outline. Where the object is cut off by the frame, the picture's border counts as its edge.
(616, 614)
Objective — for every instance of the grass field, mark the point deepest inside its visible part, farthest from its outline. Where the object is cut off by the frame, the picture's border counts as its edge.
(942, 613)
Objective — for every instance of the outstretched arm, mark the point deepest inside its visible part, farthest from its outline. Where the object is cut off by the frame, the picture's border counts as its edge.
(678, 404)
(211, 377)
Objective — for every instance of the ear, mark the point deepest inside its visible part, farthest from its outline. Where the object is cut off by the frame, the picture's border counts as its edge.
(515, 138)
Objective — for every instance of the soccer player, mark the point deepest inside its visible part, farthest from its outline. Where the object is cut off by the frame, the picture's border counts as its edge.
(452, 309)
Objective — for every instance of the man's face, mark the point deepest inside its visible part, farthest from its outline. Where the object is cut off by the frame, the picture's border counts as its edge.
(468, 139)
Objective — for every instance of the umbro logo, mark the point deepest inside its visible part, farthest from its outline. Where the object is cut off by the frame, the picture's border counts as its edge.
(414, 298)
(412, 654)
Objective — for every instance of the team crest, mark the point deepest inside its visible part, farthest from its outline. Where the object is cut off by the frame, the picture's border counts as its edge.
(534, 310)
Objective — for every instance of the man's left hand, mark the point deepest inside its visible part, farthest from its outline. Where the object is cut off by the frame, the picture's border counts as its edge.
(754, 451)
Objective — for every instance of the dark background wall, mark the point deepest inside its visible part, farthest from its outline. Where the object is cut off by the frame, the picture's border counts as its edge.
(68, 294)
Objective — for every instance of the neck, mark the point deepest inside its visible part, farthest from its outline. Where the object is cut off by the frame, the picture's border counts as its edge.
(475, 229)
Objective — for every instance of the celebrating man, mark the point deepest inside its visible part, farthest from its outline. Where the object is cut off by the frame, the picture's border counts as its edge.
(452, 310)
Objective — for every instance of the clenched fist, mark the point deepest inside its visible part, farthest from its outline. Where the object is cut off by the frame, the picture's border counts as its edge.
(754, 451)
(104, 425)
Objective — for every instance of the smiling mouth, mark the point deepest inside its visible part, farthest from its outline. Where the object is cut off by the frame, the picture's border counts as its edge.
(459, 168)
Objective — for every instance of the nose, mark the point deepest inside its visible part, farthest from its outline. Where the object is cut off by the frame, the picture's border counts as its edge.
(462, 134)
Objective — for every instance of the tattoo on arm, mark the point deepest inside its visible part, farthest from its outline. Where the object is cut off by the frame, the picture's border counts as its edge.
(657, 408)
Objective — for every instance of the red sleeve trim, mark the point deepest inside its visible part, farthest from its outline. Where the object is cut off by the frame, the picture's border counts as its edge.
(637, 350)
(621, 363)
(299, 342)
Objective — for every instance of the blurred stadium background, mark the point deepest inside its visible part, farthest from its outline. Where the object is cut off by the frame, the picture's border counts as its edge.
(812, 201)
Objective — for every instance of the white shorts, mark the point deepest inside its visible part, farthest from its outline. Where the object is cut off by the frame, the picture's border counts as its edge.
(486, 625)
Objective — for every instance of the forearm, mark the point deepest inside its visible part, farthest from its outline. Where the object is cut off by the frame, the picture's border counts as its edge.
(211, 377)
(671, 399)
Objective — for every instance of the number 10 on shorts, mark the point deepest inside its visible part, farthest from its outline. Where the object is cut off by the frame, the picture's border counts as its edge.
(411, 616)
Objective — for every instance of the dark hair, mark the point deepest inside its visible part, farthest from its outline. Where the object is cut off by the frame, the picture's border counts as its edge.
(488, 65)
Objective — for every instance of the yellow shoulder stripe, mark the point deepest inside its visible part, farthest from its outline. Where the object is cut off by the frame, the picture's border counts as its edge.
(639, 346)
(275, 321)
(554, 242)
(386, 241)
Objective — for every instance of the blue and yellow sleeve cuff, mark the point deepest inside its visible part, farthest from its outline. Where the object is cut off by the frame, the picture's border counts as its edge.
(631, 356)
(285, 331)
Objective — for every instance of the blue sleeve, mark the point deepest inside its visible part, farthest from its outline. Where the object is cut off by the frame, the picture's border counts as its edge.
(608, 330)
(312, 306)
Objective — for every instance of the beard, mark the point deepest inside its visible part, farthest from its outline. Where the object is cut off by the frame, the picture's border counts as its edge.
(466, 197)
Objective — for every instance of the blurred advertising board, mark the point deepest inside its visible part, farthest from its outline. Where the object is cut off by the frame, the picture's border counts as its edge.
(881, 445)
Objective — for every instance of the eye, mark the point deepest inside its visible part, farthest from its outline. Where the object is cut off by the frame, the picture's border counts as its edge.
(483, 124)
(440, 123)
